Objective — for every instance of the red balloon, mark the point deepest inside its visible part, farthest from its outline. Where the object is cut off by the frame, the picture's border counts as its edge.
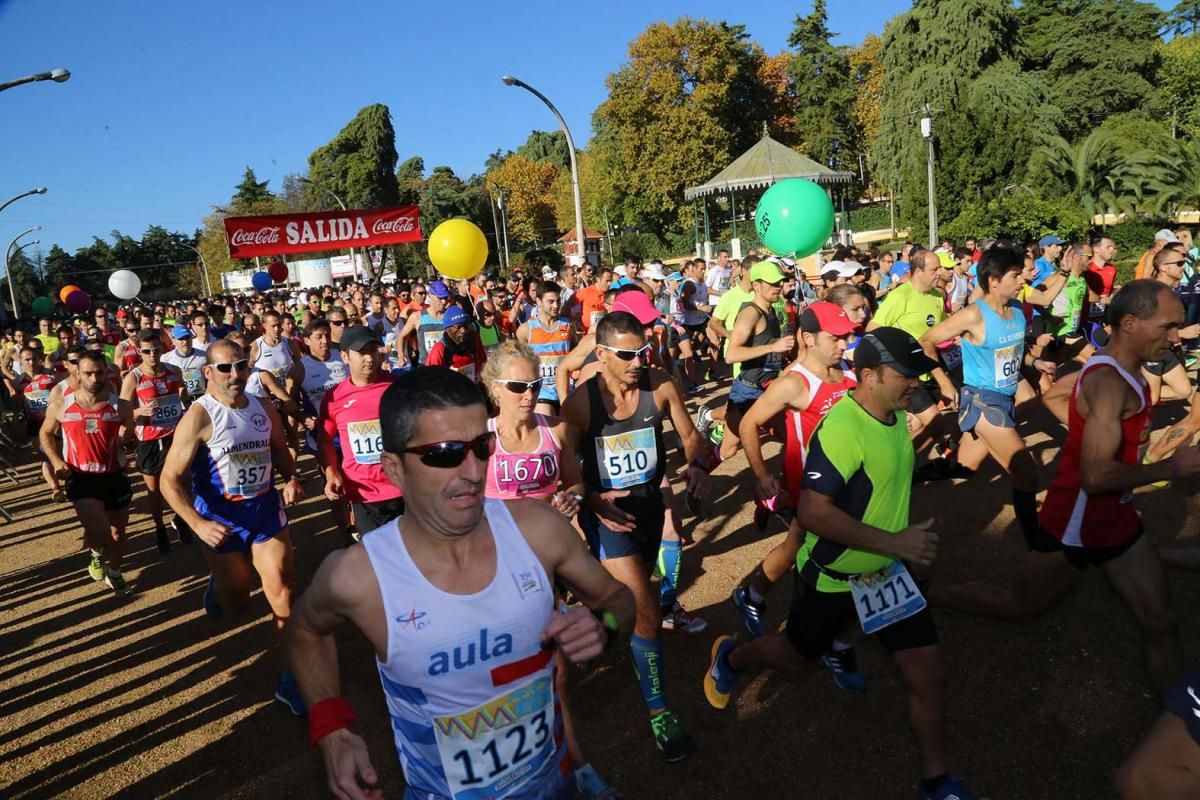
(278, 271)
(78, 301)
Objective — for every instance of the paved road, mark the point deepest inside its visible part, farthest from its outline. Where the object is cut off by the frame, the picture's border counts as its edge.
(143, 698)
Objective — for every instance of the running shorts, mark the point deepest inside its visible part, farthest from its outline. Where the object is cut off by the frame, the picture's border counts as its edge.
(816, 618)
(111, 488)
(250, 521)
(1081, 557)
(643, 540)
(151, 456)
(975, 403)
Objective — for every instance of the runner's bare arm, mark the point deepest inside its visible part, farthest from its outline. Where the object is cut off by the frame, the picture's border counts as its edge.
(252, 353)
(47, 439)
(1050, 289)
(176, 480)
(967, 321)
(669, 401)
(281, 456)
(410, 325)
(1165, 765)
(125, 410)
(569, 475)
(1101, 401)
(573, 362)
(787, 391)
(523, 333)
(738, 349)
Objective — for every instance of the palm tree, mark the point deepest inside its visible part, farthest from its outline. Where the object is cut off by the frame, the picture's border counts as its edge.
(1177, 184)
(1100, 178)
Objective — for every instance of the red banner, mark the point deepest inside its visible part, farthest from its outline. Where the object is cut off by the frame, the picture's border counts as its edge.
(277, 234)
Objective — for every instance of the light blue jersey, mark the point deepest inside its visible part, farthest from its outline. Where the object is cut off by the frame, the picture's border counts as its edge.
(996, 364)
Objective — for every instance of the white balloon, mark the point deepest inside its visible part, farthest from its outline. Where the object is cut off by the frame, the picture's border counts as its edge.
(124, 284)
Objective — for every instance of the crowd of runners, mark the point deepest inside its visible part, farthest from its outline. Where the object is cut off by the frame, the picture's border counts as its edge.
(511, 462)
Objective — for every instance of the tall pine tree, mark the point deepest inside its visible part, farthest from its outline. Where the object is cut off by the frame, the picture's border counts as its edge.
(824, 92)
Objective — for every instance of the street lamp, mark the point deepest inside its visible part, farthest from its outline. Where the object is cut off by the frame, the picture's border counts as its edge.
(330, 192)
(11, 200)
(204, 267)
(9, 254)
(59, 75)
(927, 133)
(580, 237)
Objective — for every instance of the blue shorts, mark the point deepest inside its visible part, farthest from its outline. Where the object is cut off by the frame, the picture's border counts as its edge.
(742, 395)
(643, 541)
(250, 521)
(975, 403)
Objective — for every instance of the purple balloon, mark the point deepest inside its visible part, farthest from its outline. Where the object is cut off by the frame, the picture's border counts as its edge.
(78, 301)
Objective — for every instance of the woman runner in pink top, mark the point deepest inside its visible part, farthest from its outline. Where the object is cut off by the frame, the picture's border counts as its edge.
(527, 464)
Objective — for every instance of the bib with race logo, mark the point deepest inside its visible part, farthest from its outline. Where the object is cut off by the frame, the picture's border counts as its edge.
(524, 473)
(489, 751)
(193, 381)
(247, 474)
(366, 440)
(1008, 365)
(38, 401)
(548, 367)
(885, 597)
(596, 317)
(432, 338)
(627, 459)
(168, 408)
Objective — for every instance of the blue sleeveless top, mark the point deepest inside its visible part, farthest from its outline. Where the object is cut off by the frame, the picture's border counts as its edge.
(996, 364)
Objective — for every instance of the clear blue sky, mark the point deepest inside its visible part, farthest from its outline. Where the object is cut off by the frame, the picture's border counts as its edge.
(169, 101)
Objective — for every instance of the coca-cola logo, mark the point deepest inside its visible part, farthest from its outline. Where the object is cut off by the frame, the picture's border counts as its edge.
(265, 235)
(397, 225)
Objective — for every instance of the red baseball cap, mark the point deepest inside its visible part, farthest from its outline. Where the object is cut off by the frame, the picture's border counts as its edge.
(638, 304)
(828, 317)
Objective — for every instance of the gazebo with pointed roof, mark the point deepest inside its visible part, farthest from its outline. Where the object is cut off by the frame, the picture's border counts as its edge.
(764, 164)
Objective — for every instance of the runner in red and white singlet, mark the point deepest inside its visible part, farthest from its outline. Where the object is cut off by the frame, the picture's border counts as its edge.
(1088, 516)
(803, 395)
(91, 419)
(35, 386)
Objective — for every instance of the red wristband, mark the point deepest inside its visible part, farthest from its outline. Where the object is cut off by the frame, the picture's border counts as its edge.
(329, 715)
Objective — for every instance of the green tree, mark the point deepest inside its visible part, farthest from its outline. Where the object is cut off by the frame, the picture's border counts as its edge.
(250, 191)
(1179, 83)
(963, 57)
(58, 267)
(1097, 56)
(548, 146)
(410, 180)
(824, 92)
(528, 198)
(686, 102)
(26, 284)
(1184, 18)
(866, 69)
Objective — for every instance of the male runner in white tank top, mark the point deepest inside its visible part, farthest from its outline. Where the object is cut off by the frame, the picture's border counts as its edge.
(457, 599)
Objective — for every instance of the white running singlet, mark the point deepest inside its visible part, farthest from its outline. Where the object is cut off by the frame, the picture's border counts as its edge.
(238, 450)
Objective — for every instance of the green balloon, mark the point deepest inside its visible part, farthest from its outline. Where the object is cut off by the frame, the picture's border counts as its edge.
(794, 218)
(43, 306)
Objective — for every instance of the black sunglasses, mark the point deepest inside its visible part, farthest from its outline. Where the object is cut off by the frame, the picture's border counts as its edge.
(337, 322)
(72, 360)
(628, 355)
(521, 387)
(446, 455)
(240, 366)
(150, 350)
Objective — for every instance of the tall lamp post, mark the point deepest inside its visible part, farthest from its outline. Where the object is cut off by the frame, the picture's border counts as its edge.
(59, 75)
(203, 267)
(927, 133)
(9, 254)
(330, 192)
(580, 236)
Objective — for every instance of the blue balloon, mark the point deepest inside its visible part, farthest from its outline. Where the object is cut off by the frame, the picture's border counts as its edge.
(262, 281)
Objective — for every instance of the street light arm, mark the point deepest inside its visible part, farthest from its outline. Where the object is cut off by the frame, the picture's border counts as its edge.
(11, 200)
(324, 188)
(57, 75)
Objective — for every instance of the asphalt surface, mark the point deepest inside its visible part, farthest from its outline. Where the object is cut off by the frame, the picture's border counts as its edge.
(145, 698)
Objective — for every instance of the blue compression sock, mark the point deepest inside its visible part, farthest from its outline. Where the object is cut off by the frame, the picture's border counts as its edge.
(669, 552)
(647, 665)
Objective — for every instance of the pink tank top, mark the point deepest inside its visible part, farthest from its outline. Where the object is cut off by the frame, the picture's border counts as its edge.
(515, 475)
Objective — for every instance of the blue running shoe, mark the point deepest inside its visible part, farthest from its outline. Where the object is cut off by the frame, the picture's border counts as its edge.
(720, 678)
(288, 693)
(844, 666)
(211, 608)
(949, 789)
(752, 612)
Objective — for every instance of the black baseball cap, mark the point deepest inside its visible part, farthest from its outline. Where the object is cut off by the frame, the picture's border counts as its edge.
(894, 347)
(358, 338)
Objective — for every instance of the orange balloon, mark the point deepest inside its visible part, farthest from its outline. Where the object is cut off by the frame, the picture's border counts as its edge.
(65, 291)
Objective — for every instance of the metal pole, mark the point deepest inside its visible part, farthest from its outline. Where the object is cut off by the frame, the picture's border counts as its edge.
(927, 132)
(608, 228)
(8, 254)
(330, 192)
(204, 269)
(504, 227)
(56, 75)
(580, 236)
(495, 227)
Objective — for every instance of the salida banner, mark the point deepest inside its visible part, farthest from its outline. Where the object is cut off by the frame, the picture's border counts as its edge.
(277, 234)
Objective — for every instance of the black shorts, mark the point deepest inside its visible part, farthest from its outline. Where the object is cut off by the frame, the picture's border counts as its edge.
(1080, 557)
(920, 401)
(816, 618)
(150, 456)
(644, 540)
(1169, 362)
(369, 516)
(112, 488)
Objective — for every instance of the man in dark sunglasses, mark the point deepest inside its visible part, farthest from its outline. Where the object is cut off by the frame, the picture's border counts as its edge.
(126, 355)
(619, 415)
(457, 597)
(350, 411)
(218, 478)
(156, 392)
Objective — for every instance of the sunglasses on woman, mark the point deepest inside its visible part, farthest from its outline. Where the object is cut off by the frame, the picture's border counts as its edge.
(642, 352)
(521, 387)
(240, 366)
(447, 455)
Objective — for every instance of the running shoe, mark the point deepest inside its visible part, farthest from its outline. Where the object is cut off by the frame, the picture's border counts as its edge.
(704, 421)
(679, 619)
(96, 568)
(844, 666)
(59, 496)
(670, 737)
(211, 608)
(695, 388)
(752, 612)
(720, 678)
(160, 539)
(116, 582)
(288, 693)
(591, 786)
(1189, 361)
(717, 434)
(182, 531)
(762, 514)
(949, 789)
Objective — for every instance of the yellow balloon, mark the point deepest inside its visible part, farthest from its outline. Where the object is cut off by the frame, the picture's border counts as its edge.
(458, 249)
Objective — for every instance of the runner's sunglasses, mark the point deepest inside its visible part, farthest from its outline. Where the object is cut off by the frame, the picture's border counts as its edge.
(240, 366)
(521, 387)
(628, 355)
(446, 455)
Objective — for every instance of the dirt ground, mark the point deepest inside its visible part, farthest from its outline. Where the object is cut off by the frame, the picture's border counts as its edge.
(144, 698)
